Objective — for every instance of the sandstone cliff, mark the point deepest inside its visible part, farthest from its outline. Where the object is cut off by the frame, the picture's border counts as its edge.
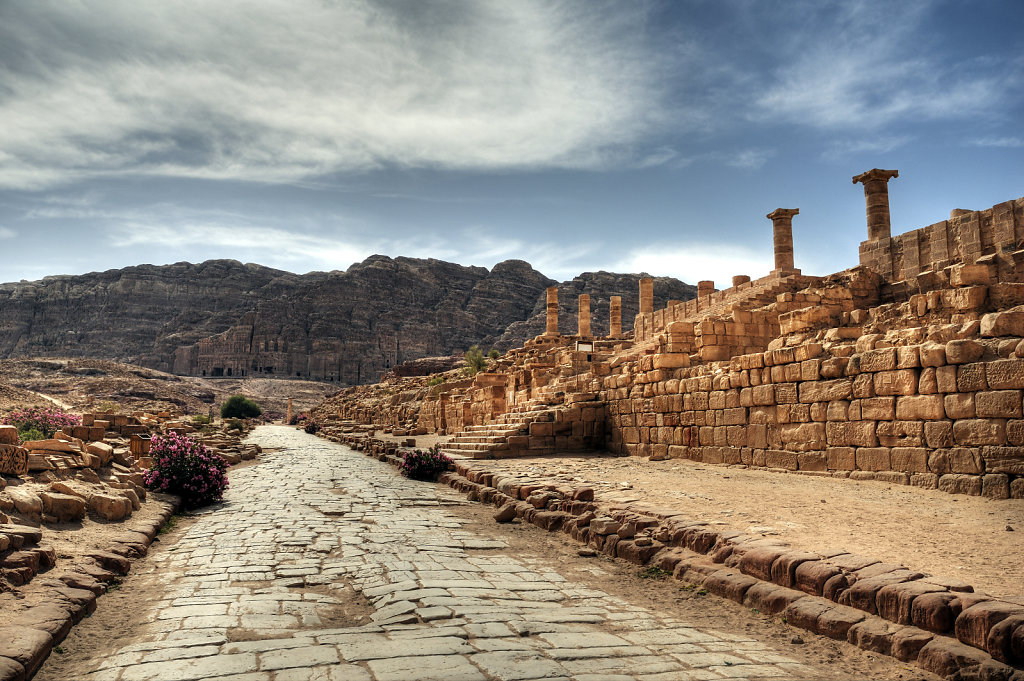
(225, 318)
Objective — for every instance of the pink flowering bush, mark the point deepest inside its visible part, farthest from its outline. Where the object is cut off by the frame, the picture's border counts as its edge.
(46, 420)
(311, 426)
(182, 466)
(424, 465)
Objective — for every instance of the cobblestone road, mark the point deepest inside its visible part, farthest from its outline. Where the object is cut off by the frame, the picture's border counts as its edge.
(257, 590)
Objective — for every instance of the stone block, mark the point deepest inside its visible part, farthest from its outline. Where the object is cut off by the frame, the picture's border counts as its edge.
(13, 460)
(1000, 404)
(1004, 374)
(729, 584)
(64, 507)
(8, 435)
(960, 406)
(945, 378)
(932, 354)
(909, 459)
(895, 602)
(1005, 640)
(921, 408)
(774, 458)
(826, 391)
(872, 634)
(938, 434)
(1008, 460)
(898, 382)
(971, 378)
(963, 351)
(841, 458)
(907, 643)
(878, 408)
(935, 611)
(944, 657)
(1006, 323)
(878, 360)
(973, 624)
(954, 483)
(757, 562)
(873, 459)
(110, 507)
(803, 437)
(833, 621)
(995, 486)
(851, 433)
(975, 432)
(770, 599)
(967, 460)
(810, 576)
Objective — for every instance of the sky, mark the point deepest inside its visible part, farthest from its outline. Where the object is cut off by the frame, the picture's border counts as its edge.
(579, 135)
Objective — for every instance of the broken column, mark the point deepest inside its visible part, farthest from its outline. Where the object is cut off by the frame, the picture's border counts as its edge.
(782, 233)
(615, 316)
(552, 312)
(739, 280)
(647, 295)
(583, 318)
(705, 288)
(876, 196)
(288, 418)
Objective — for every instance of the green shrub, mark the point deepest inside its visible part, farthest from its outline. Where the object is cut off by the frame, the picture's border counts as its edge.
(239, 407)
(494, 354)
(436, 380)
(475, 361)
(200, 420)
(31, 433)
(235, 424)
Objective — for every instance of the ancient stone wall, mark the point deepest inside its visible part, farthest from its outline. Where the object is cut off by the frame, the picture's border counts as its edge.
(967, 236)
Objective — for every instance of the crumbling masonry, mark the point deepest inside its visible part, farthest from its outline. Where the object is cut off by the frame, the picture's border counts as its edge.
(907, 368)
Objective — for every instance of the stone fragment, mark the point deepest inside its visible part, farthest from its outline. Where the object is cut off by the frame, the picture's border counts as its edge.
(943, 656)
(63, 507)
(973, 624)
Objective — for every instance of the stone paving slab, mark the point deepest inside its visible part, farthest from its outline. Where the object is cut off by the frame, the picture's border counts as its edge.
(248, 588)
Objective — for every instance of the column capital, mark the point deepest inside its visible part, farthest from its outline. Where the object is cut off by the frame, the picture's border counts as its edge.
(876, 174)
(782, 213)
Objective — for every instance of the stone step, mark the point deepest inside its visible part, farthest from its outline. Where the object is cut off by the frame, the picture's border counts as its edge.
(479, 439)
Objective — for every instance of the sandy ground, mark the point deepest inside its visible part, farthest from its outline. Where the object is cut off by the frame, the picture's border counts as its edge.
(951, 535)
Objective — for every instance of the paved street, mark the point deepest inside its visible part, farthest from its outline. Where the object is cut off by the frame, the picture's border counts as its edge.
(267, 588)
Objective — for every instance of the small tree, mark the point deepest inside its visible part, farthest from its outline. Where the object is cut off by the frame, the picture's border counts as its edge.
(239, 407)
(494, 354)
(475, 360)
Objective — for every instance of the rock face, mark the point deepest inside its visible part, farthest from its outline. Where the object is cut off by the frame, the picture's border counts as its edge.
(138, 314)
(223, 318)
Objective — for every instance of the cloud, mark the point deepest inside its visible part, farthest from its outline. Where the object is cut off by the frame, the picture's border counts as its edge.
(697, 262)
(859, 65)
(7, 233)
(283, 90)
(1003, 142)
(842, 149)
(751, 159)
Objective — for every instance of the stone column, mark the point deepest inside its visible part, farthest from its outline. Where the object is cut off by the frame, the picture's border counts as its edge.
(647, 295)
(705, 288)
(552, 311)
(782, 233)
(583, 317)
(739, 280)
(876, 196)
(615, 316)
(288, 420)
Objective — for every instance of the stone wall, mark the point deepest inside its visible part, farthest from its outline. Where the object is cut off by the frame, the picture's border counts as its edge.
(996, 233)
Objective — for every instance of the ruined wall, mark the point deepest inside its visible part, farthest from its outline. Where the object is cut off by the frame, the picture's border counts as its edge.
(964, 238)
(933, 414)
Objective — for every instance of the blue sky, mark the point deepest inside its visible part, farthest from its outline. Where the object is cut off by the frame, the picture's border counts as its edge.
(626, 136)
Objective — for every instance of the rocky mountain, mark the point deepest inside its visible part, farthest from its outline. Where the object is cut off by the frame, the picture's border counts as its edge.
(223, 318)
